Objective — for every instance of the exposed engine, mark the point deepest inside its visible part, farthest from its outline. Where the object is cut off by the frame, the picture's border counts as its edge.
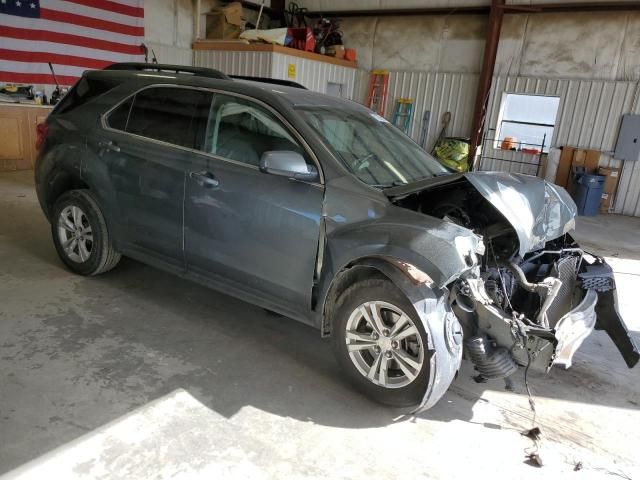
(528, 310)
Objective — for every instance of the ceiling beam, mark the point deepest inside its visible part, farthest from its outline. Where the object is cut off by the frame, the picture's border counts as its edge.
(483, 10)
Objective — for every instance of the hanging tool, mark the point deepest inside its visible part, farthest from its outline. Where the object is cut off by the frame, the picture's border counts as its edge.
(446, 118)
(259, 15)
(402, 114)
(378, 86)
(58, 93)
(424, 133)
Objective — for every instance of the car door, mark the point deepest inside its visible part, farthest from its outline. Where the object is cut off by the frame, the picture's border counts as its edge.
(148, 141)
(254, 232)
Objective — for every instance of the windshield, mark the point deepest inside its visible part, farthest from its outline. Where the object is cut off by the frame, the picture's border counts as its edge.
(373, 149)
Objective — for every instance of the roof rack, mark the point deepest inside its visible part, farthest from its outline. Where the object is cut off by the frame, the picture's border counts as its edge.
(159, 67)
(275, 81)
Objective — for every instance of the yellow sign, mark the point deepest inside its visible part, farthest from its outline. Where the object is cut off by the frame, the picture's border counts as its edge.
(292, 71)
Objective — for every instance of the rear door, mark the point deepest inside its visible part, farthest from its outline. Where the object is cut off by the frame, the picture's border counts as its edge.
(253, 232)
(148, 144)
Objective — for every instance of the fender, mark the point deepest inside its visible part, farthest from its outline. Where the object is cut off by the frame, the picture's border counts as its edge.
(443, 330)
(441, 250)
(75, 165)
(94, 172)
(51, 165)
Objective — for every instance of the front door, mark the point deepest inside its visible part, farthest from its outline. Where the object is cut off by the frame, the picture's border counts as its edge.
(147, 144)
(255, 232)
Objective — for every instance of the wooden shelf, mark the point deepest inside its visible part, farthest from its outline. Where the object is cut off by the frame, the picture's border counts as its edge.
(239, 46)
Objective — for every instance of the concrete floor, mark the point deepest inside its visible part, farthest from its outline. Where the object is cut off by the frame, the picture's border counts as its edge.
(137, 373)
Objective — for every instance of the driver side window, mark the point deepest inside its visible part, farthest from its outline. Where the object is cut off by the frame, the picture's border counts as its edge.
(243, 131)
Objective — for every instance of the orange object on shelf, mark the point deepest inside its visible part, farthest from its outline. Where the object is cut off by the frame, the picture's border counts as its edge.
(350, 54)
(508, 143)
(534, 151)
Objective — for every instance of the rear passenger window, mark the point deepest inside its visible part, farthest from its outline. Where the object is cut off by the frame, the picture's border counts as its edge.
(118, 118)
(242, 130)
(86, 89)
(172, 115)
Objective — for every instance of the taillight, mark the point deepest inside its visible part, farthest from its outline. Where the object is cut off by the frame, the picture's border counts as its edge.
(41, 134)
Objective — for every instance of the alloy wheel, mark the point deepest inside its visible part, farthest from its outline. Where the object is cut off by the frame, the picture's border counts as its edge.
(384, 344)
(75, 234)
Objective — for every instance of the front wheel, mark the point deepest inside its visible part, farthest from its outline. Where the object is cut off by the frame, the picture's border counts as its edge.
(80, 234)
(380, 343)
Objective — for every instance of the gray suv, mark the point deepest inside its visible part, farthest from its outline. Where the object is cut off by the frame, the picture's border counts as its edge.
(320, 210)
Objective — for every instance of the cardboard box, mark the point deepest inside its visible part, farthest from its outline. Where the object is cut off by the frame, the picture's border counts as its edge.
(575, 157)
(612, 174)
(564, 166)
(225, 23)
(610, 186)
(589, 159)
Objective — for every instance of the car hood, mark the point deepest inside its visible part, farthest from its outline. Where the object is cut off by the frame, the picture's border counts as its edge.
(538, 210)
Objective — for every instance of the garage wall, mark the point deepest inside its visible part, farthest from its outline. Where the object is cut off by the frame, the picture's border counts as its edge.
(257, 64)
(169, 27)
(583, 45)
(437, 93)
(312, 74)
(589, 116)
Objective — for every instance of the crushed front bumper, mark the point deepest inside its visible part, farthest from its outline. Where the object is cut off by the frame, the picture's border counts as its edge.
(598, 277)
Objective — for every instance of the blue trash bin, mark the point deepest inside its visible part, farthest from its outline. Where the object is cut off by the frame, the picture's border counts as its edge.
(587, 192)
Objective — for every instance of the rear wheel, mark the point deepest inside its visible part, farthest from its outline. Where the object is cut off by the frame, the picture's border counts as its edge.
(380, 342)
(80, 234)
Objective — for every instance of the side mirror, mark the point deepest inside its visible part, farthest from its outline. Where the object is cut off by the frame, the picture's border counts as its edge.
(288, 164)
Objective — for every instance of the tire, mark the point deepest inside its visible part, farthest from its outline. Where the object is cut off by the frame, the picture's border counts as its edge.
(398, 391)
(78, 218)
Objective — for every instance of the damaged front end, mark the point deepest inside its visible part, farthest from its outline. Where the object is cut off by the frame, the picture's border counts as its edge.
(537, 311)
(535, 295)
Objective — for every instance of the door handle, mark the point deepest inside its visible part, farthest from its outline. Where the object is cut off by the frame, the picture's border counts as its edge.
(205, 179)
(109, 145)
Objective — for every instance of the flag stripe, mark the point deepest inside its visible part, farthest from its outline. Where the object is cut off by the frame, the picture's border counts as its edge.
(46, 36)
(59, 48)
(74, 35)
(45, 57)
(53, 26)
(36, 78)
(65, 6)
(112, 7)
(40, 68)
(83, 21)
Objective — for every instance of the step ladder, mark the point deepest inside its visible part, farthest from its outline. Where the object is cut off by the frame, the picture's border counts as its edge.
(378, 87)
(402, 114)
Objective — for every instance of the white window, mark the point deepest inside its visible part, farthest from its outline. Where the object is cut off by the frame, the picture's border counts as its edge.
(528, 119)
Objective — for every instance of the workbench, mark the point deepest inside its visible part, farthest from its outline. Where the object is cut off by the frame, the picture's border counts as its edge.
(18, 134)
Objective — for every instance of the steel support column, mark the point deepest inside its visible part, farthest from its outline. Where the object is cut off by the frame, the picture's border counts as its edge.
(486, 75)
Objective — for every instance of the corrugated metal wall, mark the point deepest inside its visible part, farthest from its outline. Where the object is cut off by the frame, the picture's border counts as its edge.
(313, 75)
(437, 93)
(257, 64)
(170, 54)
(628, 198)
(589, 116)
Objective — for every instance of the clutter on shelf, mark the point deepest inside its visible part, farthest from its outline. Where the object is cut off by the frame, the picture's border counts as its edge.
(323, 36)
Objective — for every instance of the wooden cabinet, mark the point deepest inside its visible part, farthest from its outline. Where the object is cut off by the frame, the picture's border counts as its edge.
(18, 135)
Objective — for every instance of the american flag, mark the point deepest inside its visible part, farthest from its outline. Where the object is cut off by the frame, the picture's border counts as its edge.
(74, 35)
